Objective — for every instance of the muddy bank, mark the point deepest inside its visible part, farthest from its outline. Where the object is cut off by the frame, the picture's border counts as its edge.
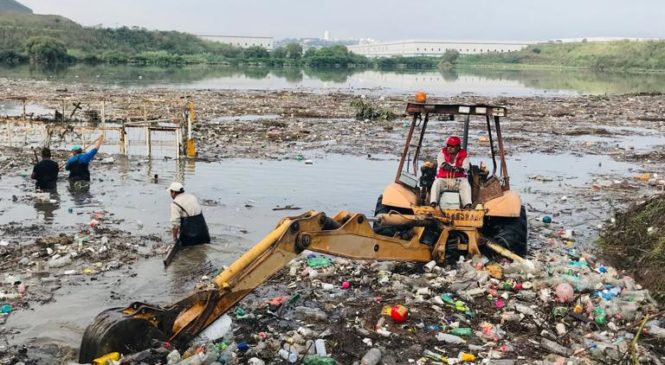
(636, 243)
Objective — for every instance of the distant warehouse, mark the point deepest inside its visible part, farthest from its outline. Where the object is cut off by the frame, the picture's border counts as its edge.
(240, 41)
(433, 48)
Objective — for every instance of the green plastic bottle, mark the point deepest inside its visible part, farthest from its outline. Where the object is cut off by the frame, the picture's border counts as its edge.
(318, 360)
(461, 331)
(318, 262)
(599, 316)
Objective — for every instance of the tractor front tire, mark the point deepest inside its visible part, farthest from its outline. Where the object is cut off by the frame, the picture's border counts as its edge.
(510, 233)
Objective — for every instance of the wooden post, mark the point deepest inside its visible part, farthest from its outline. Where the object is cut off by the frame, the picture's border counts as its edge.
(177, 143)
(104, 118)
(148, 141)
(121, 142)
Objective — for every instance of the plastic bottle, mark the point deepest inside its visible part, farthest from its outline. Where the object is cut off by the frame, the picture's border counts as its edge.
(311, 348)
(196, 359)
(434, 356)
(564, 292)
(525, 310)
(290, 356)
(444, 337)
(113, 356)
(628, 311)
(372, 357)
(228, 353)
(320, 346)
(560, 311)
(173, 357)
(466, 357)
(462, 331)
(60, 262)
(510, 316)
(318, 360)
(311, 313)
(448, 298)
(218, 329)
(554, 347)
(599, 316)
(211, 355)
(6, 309)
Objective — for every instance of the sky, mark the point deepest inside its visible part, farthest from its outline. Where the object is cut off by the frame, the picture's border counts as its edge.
(383, 20)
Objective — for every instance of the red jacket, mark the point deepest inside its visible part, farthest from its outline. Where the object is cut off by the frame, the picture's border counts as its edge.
(459, 160)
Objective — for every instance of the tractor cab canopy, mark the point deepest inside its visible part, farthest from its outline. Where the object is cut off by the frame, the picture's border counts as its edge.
(422, 114)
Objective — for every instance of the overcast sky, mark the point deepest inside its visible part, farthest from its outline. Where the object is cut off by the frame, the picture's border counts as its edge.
(379, 19)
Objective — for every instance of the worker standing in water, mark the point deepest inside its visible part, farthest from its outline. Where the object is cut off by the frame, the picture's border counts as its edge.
(79, 163)
(46, 172)
(188, 226)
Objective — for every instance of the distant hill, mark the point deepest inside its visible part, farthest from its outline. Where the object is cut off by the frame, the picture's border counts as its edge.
(14, 6)
(84, 42)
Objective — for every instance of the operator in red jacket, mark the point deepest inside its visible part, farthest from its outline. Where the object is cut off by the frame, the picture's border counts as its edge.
(452, 173)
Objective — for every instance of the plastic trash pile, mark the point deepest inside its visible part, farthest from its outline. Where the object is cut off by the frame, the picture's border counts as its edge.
(558, 307)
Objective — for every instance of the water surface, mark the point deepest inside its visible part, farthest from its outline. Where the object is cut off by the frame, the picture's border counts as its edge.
(477, 81)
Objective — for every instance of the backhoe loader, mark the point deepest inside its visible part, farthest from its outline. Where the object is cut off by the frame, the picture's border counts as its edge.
(404, 229)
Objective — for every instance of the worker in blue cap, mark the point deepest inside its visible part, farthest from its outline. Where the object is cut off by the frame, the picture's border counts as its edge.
(78, 163)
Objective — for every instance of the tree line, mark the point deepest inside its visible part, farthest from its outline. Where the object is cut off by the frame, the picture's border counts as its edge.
(50, 40)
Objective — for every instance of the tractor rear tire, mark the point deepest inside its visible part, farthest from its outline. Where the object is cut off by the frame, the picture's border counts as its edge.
(510, 233)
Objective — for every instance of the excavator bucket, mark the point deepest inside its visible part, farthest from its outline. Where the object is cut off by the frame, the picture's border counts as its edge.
(113, 331)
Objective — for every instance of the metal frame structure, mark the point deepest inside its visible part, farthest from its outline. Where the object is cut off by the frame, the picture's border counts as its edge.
(421, 114)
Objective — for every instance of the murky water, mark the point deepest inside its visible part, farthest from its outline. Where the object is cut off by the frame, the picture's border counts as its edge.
(640, 138)
(480, 81)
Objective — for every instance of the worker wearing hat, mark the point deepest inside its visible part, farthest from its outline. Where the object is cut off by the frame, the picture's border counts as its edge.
(188, 226)
(78, 164)
(452, 173)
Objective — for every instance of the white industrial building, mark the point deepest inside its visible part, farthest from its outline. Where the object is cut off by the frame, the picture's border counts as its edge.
(240, 41)
(433, 48)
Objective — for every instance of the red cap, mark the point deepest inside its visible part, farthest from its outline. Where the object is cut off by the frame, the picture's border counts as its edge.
(453, 141)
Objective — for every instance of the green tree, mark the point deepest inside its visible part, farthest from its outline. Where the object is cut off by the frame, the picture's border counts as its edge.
(450, 56)
(294, 51)
(280, 53)
(255, 52)
(44, 50)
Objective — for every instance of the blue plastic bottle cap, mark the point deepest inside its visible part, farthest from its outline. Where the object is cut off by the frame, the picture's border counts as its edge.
(547, 219)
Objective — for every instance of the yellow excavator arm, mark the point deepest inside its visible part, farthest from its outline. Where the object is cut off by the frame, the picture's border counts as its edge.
(350, 235)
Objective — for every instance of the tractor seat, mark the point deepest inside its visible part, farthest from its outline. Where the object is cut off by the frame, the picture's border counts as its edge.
(408, 179)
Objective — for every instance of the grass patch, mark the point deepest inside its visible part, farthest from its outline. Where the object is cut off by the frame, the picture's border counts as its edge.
(367, 110)
(636, 243)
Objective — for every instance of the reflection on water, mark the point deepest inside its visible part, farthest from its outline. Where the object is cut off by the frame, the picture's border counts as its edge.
(46, 205)
(80, 192)
(475, 80)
